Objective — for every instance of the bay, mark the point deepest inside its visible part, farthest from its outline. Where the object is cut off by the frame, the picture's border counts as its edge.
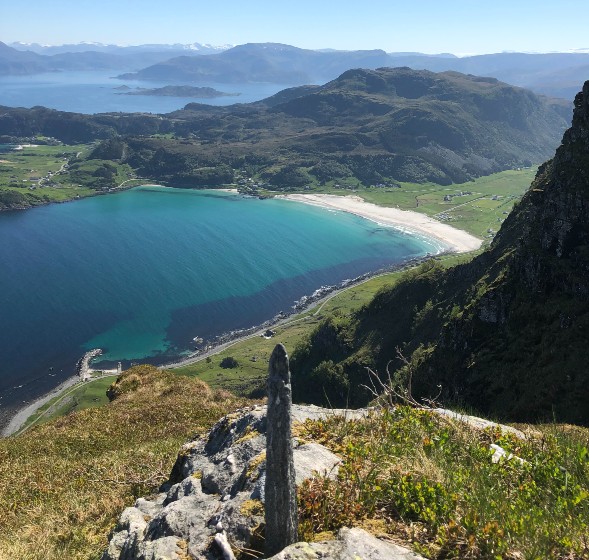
(95, 92)
(142, 272)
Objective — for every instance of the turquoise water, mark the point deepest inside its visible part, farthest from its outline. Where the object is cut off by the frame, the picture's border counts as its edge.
(143, 272)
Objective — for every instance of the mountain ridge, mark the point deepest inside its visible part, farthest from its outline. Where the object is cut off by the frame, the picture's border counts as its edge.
(375, 125)
(552, 74)
(540, 72)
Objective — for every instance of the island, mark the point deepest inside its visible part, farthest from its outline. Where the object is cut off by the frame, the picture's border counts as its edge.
(177, 91)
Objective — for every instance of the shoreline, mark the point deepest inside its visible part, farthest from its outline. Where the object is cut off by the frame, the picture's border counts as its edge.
(23, 414)
(300, 307)
(453, 239)
(219, 343)
(456, 240)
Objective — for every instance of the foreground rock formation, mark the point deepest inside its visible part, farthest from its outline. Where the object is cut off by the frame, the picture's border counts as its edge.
(213, 504)
(215, 494)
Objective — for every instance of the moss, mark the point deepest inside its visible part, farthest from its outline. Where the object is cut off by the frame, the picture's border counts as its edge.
(252, 507)
(248, 434)
(254, 464)
(182, 553)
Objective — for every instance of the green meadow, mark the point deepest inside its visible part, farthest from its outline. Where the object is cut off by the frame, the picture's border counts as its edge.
(42, 174)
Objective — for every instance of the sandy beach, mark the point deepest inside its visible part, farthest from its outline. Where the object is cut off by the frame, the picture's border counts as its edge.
(455, 239)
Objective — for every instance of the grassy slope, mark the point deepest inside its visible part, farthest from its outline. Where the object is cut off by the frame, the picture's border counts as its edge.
(475, 213)
(63, 484)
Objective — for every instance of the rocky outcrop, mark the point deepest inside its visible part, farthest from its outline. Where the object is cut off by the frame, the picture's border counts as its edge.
(212, 506)
(213, 503)
(351, 544)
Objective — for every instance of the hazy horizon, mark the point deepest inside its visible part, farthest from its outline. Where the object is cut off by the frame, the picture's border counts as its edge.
(225, 46)
(459, 27)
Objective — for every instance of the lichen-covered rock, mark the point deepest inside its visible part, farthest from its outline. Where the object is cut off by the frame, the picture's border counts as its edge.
(351, 544)
(215, 493)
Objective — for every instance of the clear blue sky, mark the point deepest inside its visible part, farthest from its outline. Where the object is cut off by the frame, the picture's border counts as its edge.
(432, 26)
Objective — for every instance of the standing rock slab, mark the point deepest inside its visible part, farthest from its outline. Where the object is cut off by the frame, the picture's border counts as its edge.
(281, 512)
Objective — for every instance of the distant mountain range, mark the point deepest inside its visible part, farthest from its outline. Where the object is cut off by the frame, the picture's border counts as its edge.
(374, 125)
(197, 48)
(38, 59)
(552, 74)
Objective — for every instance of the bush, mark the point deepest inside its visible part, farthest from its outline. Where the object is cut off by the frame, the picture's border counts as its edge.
(432, 483)
(229, 362)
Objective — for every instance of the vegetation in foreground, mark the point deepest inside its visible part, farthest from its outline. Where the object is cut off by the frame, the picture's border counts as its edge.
(425, 481)
(63, 484)
(430, 482)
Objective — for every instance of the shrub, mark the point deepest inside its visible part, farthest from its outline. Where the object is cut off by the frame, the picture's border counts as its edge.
(229, 362)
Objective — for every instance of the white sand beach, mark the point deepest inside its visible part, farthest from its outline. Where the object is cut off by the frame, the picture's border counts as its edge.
(455, 239)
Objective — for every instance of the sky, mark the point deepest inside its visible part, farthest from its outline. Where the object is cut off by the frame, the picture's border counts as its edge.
(429, 26)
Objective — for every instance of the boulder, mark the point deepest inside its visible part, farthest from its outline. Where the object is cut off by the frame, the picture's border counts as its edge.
(351, 544)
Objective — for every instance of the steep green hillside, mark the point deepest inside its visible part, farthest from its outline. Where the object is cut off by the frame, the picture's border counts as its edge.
(505, 334)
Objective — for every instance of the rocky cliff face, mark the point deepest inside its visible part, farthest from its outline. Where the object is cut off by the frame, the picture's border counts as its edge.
(505, 333)
(517, 345)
